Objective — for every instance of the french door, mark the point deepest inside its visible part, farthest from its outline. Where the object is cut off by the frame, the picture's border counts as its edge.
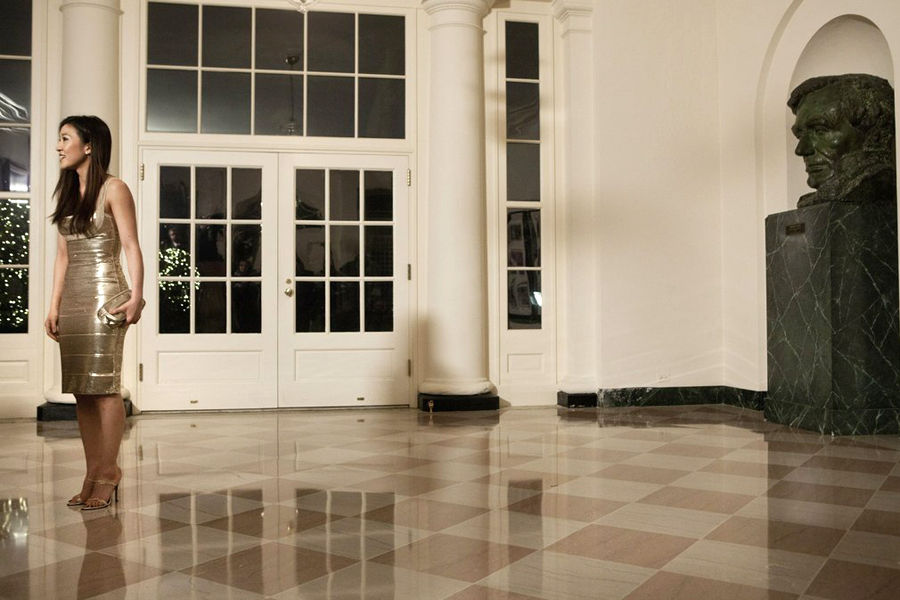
(273, 280)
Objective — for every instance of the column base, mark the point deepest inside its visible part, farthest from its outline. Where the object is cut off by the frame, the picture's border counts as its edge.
(576, 400)
(455, 402)
(53, 411)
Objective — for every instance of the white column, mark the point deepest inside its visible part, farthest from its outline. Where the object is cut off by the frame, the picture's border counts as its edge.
(90, 63)
(90, 86)
(456, 322)
(576, 249)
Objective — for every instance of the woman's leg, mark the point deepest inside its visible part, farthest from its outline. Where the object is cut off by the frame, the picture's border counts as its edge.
(89, 426)
(110, 419)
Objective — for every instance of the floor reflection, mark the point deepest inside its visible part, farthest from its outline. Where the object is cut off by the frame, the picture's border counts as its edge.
(634, 503)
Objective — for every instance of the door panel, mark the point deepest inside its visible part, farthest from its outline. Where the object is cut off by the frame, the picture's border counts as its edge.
(209, 332)
(344, 298)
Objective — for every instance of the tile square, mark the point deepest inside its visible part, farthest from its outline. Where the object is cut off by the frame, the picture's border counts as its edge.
(403, 485)
(456, 557)
(778, 535)
(515, 528)
(479, 592)
(842, 580)
(809, 492)
(673, 586)
(753, 566)
(565, 506)
(835, 477)
(555, 576)
(105, 530)
(272, 522)
(748, 469)
(367, 580)
(879, 521)
(685, 448)
(664, 519)
(641, 474)
(84, 577)
(269, 569)
(869, 548)
(873, 467)
(891, 484)
(819, 514)
(424, 514)
(698, 499)
(614, 544)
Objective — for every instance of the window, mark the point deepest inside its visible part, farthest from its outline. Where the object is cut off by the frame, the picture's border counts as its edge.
(241, 70)
(15, 167)
(210, 231)
(523, 177)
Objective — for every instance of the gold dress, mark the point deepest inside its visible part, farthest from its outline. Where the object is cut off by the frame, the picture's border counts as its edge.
(91, 351)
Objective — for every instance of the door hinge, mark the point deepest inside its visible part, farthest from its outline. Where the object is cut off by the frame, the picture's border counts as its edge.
(142, 171)
(408, 177)
(140, 371)
(408, 272)
(409, 368)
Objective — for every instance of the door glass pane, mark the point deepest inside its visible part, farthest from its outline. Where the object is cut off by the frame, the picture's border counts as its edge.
(522, 111)
(15, 84)
(344, 195)
(379, 251)
(175, 192)
(171, 100)
(379, 305)
(345, 251)
(226, 37)
(522, 50)
(15, 28)
(15, 159)
(246, 307)
(14, 231)
(211, 190)
(344, 306)
(226, 102)
(172, 34)
(279, 39)
(209, 316)
(310, 250)
(13, 300)
(246, 260)
(310, 200)
(246, 193)
(174, 250)
(379, 195)
(523, 172)
(331, 42)
(174, 307)
(523, 237)
(524, 300)
(210, 250)
(330, 106)
(382, 110)
(310, 306)
(279, 104)
(382, 45)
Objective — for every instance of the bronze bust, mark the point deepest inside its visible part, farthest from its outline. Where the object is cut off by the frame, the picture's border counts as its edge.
(844, 126)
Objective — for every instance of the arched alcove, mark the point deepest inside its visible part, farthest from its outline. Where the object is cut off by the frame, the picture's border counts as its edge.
(847, 44)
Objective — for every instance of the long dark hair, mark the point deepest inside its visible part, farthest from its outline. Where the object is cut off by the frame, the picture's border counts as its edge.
(69, 203)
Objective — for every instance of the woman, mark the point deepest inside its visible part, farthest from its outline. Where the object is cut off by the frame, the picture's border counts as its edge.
(95, 219)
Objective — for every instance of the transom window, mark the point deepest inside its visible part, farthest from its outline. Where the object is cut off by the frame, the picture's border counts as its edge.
(242, 70)
(15, 163)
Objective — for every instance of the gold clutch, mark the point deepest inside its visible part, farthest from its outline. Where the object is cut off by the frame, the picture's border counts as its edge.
(110, 319)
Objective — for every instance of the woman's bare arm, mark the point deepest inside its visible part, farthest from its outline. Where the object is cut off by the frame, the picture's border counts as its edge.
(51, 323)
(120, 201)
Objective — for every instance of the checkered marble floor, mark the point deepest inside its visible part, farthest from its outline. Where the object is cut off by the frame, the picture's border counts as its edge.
(681, 503)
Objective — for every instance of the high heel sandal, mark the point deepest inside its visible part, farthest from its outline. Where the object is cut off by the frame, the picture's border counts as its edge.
(114, 494)
(76, 500)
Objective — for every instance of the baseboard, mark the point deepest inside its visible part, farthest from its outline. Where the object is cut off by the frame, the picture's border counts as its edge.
(680, 396)
(448, 402)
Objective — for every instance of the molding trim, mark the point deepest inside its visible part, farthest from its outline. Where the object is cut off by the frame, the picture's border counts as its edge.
(574, 15)
(679, 396)
(110, 5)
(478, 7)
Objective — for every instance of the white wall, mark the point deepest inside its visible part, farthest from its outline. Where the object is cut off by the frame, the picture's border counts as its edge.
(657, 193)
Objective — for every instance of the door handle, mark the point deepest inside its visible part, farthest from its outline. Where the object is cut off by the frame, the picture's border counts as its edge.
(288, 291)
